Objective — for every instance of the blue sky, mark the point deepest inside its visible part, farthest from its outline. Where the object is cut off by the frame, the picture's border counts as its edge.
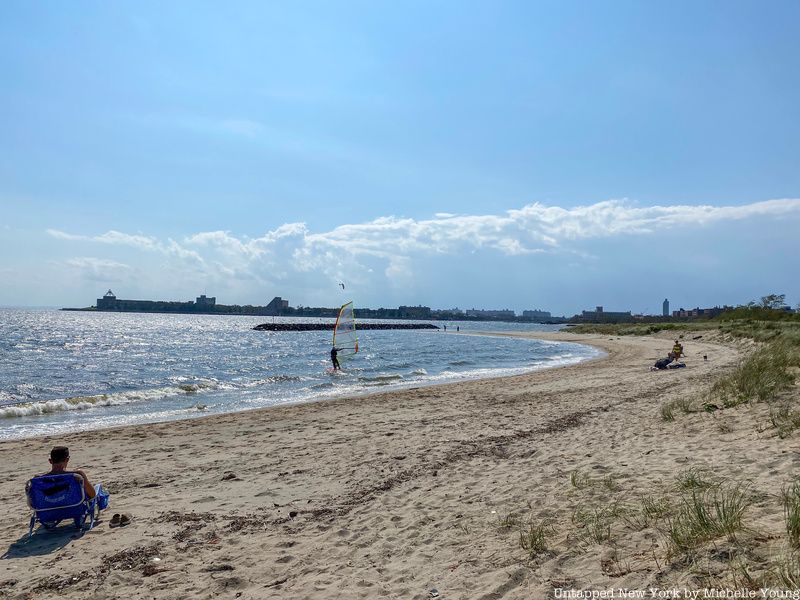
(552, 155)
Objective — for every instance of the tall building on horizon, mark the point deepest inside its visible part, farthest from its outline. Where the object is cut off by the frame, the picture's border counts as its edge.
(665, 308)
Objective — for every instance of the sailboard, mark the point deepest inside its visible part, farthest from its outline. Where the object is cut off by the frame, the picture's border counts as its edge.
(345, 337)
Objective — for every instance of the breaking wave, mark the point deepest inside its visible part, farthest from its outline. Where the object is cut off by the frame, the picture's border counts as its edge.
(45, 407)
(380, 379)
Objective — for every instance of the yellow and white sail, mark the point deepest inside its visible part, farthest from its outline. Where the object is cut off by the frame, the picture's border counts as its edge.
(345, 338)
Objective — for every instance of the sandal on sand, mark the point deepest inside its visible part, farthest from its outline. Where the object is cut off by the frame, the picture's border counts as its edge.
(119, 520)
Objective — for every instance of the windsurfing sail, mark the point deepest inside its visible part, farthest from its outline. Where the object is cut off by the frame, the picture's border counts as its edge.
(345, 338)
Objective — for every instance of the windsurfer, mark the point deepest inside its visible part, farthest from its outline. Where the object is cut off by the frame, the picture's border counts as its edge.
(345, 340)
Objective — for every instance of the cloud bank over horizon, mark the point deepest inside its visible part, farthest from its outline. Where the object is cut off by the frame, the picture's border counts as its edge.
(387, 253)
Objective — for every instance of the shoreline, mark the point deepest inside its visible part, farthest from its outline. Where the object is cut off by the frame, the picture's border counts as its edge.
(344, 395)
(391, 494)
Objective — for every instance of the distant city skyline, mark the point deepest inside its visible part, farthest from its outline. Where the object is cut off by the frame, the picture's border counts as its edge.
(473, 310)
(444, 154)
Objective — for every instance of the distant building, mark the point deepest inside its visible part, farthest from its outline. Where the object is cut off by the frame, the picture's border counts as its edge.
(665, 308)
(700, 312)
(447, 313)
(277, 306)
(536, 314)
(600, 315)
(414, 312)
(107, 302)
(492, 314)
(203, 302)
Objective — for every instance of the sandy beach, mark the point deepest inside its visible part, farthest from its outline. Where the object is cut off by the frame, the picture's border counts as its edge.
(413, 494)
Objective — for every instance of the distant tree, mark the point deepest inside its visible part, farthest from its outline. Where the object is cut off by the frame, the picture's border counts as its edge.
(773, 301)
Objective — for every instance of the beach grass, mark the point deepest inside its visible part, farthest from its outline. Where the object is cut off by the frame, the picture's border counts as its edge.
(759, 326)
(784, 419)
(791, 511)
(509, 521)
(633, 328)
(582, 481)
(694, 478)
(788, 571)
(649, 511)
(533, 538)
(707, 514)
(760, 376)
(684, 405)
(594, 524)
(579, 480)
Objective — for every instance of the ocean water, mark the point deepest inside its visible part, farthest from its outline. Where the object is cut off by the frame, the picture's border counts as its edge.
(69, 371)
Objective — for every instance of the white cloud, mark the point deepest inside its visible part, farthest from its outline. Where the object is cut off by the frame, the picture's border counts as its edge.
(110, 237)
(98, 269)
(513, 247)
(124, 239)
(87, 261)
(393, 245)
(173, 248)
(618, 217)
(62, 235)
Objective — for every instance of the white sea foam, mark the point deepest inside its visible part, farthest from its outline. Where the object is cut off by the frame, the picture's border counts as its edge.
(44, 407)
(27, 409)
(271, 380)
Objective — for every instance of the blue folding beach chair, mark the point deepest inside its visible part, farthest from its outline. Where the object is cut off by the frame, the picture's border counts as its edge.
(53, 498)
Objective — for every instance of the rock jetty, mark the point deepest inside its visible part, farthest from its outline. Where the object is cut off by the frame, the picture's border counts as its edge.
(329, 326)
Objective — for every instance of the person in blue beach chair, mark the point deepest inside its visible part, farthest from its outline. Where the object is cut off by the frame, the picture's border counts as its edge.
(63, 494)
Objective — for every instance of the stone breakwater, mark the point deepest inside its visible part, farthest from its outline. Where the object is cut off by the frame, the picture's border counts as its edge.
(329, 326)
